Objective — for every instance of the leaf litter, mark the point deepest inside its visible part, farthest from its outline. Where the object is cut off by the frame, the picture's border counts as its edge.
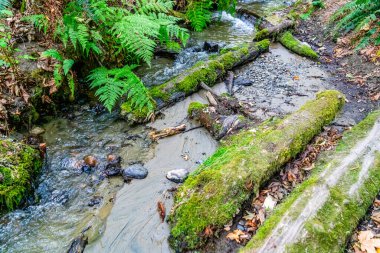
(279, 187)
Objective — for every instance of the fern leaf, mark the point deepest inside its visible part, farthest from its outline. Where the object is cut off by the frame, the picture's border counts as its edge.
(53, 53)
(4, 4)
(67, 64)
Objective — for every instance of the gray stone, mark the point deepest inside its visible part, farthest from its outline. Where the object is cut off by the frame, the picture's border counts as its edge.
(136, 171)
(37, 131)
(177, 176)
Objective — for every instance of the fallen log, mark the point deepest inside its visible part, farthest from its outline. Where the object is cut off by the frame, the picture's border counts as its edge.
(321, 213)
(257, 18)
(212, 195)
(189, 81)
(273, 31)
(296, 46)
(170, 131)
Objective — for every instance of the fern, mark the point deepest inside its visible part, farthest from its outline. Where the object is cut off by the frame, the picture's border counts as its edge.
(4, 4)
(62, 69)
(39, 21)
(354, 16)
(112, 84)
(199, 14)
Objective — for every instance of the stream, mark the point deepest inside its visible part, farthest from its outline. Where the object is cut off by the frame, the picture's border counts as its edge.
(123, 217)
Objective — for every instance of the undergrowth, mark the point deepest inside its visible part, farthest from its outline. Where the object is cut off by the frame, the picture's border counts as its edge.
(361, 17)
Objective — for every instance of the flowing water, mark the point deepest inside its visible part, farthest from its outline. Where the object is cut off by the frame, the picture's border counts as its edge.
(61, 210)
(126, 219)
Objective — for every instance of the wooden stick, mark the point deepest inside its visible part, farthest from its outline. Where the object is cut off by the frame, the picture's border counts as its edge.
(159, 134)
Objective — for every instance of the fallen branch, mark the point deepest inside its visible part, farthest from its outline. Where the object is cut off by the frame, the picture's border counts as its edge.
(230, 82)
(159, 134)
(273, 31)
(212, 195)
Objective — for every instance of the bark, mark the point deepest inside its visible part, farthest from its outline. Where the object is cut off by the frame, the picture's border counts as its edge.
(170, 131)
(254, 17)
(211, 196)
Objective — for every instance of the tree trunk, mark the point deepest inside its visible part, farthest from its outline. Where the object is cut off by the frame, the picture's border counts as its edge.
(211, 196)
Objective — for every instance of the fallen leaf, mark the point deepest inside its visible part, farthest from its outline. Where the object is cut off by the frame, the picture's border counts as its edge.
(161, 210)
(208, 232)
(296, 78)
(367, 242)
(235, 235)
(249, 216)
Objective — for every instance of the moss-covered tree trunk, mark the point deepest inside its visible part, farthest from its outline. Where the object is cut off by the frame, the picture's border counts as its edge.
(322, 212)
(213, 194)
(189, 81)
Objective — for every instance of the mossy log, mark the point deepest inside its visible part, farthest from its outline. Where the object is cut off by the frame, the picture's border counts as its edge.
(273, 31)
(254, 17)
(296, 46)
(212, 195)
(322, 212)
(189, 81)
(19, 164)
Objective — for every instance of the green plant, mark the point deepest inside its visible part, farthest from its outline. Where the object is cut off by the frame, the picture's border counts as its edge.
(315, 5)
(111, 84)
(4, 4)
(361, 17)
(39, 21)
(62, 69)
(199, 12)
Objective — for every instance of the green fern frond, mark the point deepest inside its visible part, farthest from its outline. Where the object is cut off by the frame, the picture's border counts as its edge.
(199, 14)
(67, 65)
(112, 84)
(39, 21)
(53, 53)
(4, 4)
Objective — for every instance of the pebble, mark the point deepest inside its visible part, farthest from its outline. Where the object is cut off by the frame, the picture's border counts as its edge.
(90, 160)
(177, 176)
(136, 171)
(37, 131)
(95, 201)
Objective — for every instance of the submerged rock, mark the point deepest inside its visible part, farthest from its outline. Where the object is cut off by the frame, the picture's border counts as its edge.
(37, 131)
(211, 47)
(90, 160)
(112, 170)
(95, 201)
(79, 244)
(177, 176)
(136, 171)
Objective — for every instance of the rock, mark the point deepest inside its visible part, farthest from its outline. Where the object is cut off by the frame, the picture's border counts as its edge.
(241, 81)
(177, 176)
(78, 244)
(211, 47)
(1, 178)
(112, 170)
(113, 159)
(37, 131)
(95, 201)
(269, 203)
(90, 160)
(136, 171)
(86, 169)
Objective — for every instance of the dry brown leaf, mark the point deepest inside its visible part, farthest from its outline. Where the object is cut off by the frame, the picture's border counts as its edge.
(161, 210)
(249, 216)
(235, 235)
(296, 78)
(367, 242)
(208, 232)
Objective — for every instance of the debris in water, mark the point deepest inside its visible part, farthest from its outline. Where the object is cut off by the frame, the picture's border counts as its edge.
(161, 210)
(159, 134)
(90, 160)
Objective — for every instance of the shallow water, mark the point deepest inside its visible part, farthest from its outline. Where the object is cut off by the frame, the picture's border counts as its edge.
(64, 191)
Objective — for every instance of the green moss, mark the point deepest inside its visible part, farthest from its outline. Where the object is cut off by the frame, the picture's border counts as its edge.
(133, 115)
(263, 34)
(19, 164)
(159, 93)
(346, 218)
(263, 45)
(195, 106)
(294, 45)
(212, 195)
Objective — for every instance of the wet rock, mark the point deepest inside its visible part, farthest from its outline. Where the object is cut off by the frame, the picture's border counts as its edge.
(112, 170)
(211, 47)
(177, 176)
(95, 201)
(1, 178)
(242, 81)
(86, 169)
(37, 131)
(113, 159)
(79, 244)
(90, 160)
(136, 171)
